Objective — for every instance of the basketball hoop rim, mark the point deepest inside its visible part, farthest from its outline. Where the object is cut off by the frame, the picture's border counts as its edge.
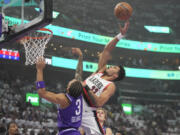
(43, 37)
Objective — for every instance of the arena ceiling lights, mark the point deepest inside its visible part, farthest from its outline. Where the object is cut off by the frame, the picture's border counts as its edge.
(158, 29)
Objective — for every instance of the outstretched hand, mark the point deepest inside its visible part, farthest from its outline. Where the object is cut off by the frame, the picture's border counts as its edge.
(40, 64)
(77, 51)
(124, 29)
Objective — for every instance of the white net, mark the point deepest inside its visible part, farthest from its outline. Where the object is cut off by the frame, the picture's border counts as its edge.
(35, 45)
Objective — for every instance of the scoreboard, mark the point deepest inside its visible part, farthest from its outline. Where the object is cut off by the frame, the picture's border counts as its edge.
(9, 54)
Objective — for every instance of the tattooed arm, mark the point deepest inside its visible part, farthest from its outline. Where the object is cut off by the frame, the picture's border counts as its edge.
(79, 68)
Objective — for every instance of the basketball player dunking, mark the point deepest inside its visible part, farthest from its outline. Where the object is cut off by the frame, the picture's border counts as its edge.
(100, 86)
(70, 103)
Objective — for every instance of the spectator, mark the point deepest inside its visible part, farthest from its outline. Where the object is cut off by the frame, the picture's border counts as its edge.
(13, 129)
(102, 116)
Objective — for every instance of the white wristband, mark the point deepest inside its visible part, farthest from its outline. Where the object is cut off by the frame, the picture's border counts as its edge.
(119, 36)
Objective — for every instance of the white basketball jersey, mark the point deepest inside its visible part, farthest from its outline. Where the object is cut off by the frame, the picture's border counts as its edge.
(89, 121)
(97, 84)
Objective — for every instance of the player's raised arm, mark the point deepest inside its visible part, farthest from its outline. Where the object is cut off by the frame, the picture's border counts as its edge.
(50, 96)
(105, 55)
(79, 68)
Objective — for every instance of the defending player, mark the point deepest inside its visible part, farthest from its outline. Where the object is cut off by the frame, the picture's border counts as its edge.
(70, 103)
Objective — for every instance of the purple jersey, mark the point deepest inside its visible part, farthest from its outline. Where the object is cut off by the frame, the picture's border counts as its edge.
(69, 119)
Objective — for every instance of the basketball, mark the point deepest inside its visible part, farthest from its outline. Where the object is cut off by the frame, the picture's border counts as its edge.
(123, 11)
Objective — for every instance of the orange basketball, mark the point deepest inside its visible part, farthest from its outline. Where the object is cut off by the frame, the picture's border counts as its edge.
(123, 11)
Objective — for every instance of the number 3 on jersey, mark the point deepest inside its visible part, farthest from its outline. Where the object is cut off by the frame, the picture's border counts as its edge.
(78, 104)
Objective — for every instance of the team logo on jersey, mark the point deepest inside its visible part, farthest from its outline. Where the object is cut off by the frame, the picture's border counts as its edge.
(96, 82)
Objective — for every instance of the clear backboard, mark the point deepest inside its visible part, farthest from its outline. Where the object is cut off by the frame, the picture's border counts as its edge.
(18, 17)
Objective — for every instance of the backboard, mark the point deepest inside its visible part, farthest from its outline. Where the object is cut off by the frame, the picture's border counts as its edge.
(18, 17)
